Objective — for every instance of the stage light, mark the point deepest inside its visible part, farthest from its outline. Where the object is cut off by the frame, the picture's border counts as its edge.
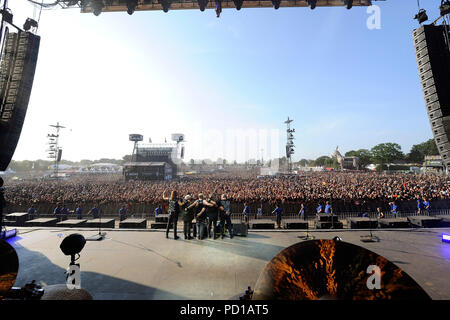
(131, 6)
(312, 4)
(445, 7)
(165, 5)
(276, 4)
(29, 23)
(97, 7)
(238, 4)
(218, 7)
(348, 3)
(446, 238)
(202, 4)
(421, 16)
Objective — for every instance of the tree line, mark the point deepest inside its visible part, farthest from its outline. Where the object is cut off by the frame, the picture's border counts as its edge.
(380, 154)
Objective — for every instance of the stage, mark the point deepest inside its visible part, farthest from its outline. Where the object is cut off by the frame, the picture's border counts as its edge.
(143, 264)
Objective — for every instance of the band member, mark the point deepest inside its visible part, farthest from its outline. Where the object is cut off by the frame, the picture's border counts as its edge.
(201, 217)
(213, 215)
(225, 215)
(174, 210)
(187, 209)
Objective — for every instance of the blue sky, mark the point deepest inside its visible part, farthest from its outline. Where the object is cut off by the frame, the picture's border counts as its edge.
(218, 79)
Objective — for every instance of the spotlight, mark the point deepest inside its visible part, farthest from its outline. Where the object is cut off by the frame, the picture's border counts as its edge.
(446, 238)
(218, 7)
(421, 16)
(445, 7)
(7, 15)
(202, 4)
(131, 6)
(29, 23)
(312, 4)
(97, 7)
(276, 4)
(165, 5)
(238, 4)
(348, 3)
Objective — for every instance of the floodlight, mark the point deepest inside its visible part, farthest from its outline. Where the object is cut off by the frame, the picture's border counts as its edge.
(29, 23)
(421, 16)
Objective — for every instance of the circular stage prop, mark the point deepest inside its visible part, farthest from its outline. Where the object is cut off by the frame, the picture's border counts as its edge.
(334, 270)
(9, 266)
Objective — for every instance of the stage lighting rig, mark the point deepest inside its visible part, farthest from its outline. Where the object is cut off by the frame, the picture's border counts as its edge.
(312, 4)
(445, 7)
(29, 23)
(165, 5)
(238, 4)
(348, 4)
(7, 15)
(97, 7)
(131, 6)
(421, 16)
(202, 4)
(218, 8)
(276, 4)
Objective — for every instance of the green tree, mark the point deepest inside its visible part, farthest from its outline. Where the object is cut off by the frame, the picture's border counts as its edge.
(419, 151)
(319, 162)
(364, 156)
(303, 162)
(387, 153)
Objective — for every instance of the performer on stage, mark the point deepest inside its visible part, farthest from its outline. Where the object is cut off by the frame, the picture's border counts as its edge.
(174, 210)
(201, 216)
(225, 215)
(213, 215)
(187, 209)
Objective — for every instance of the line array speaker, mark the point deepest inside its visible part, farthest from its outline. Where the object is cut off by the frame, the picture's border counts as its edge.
(17, 68)
(433, 61)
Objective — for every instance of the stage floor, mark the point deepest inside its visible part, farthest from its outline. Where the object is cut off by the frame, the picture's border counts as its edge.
(145, 265)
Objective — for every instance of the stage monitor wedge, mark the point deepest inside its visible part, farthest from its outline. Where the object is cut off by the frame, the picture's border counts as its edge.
(17, 68)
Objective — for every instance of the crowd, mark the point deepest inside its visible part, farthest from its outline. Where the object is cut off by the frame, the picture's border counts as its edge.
(308, 189)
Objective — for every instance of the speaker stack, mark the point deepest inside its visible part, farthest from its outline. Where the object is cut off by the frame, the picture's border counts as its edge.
(433, 61)
(17, 68)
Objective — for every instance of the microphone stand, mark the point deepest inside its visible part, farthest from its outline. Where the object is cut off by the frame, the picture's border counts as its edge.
(100, 235)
